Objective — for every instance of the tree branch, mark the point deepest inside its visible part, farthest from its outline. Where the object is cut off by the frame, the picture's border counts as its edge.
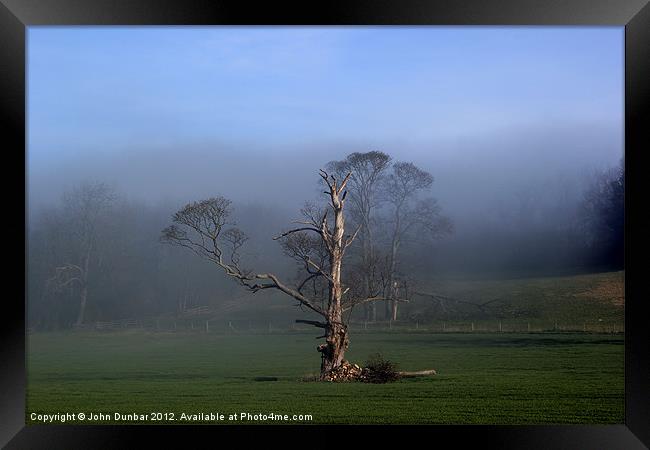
(345, 181)
(312, 322)
(438, 297)
(276, 284)
(373, 299)
(325, 177)
(351, 239)
(297, 230)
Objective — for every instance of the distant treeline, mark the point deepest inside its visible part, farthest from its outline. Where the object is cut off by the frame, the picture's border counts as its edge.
(548, 231)
(97, 256)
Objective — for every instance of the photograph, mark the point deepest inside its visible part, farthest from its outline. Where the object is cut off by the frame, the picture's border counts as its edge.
(315, 225)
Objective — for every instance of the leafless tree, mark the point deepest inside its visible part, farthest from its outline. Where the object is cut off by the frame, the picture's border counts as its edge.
(205, 227)
(83, 207)
(368, 170)
(409, 215)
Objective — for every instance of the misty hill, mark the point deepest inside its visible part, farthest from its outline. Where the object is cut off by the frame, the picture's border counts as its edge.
(575, 299)
(570, 301)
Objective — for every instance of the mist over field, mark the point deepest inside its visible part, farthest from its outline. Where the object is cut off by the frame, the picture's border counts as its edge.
(515, 125)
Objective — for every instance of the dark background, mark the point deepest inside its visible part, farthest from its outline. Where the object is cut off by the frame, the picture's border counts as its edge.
(18, 14)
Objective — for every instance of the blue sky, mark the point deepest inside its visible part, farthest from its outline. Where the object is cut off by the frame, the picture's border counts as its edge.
(96, 91)
(104, 87)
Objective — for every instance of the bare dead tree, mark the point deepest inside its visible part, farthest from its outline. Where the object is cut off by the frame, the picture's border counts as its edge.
(205, 228)
(83, 207)
(368, 170)
(409, 214)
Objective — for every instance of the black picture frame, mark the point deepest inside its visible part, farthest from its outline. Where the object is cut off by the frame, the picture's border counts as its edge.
(634, 15)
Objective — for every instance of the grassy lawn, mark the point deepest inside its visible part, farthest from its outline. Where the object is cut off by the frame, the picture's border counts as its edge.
(482, 378)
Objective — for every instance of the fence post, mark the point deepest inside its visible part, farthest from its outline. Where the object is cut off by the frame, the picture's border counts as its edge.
(417, 325)
(472, 326)
(207, 326)
(528, 326)
(444, 327)
(500, 328)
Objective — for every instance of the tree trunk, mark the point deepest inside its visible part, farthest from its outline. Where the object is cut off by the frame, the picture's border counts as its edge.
(336, 333)
(84, 285)
(367, 262)
(419, 373)
(391, 303)
(395, 301)
(82, 304)
(333, 351)
(394, 310)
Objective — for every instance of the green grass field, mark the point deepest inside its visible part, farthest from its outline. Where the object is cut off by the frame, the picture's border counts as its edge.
(482, 378)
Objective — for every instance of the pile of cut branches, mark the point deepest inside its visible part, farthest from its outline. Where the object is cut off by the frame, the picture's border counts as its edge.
(377, 370)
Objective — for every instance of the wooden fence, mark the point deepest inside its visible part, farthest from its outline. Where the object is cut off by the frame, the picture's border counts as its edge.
(200, 323)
